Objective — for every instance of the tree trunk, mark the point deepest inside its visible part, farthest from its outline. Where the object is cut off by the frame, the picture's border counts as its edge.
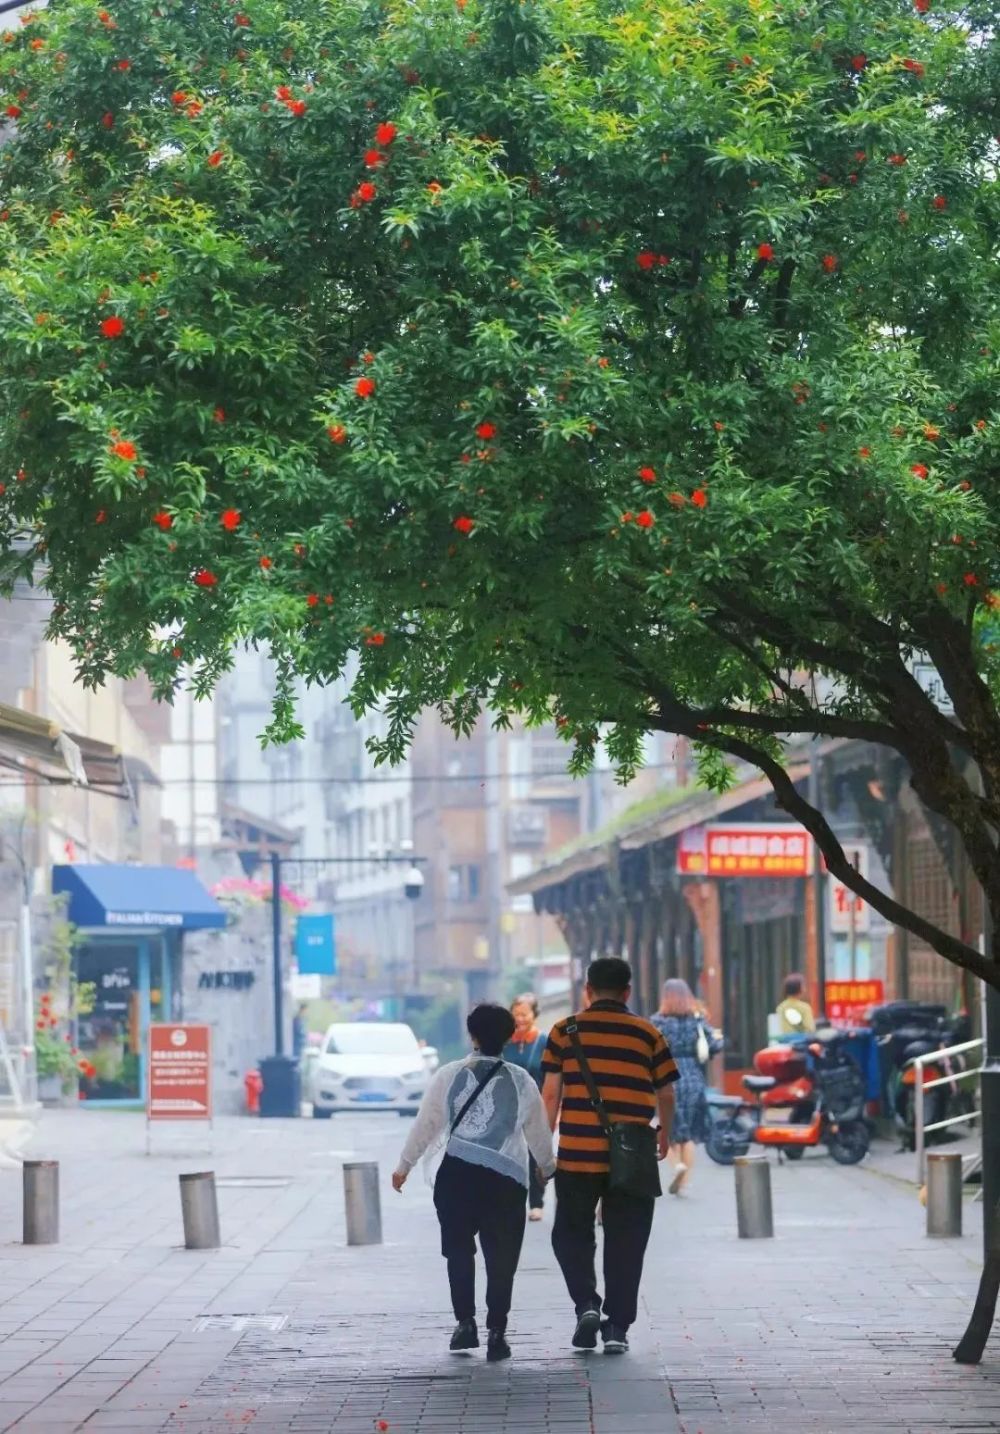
(973, 1342)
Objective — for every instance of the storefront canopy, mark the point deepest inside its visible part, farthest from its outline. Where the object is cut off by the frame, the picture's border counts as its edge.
(120, 897)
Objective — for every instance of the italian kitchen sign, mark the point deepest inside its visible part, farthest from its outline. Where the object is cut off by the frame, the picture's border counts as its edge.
(745, 849)
(179, 1085)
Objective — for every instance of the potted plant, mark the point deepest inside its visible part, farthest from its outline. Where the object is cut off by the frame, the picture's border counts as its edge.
(56, 1059)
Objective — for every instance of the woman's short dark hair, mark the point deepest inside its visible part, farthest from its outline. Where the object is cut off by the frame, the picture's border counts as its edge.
(490, 1026)
(794, 984)
(609, 973)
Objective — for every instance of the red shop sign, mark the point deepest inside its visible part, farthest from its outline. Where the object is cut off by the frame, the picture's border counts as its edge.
(179, 1084)
(750, 849)
(848, 1001)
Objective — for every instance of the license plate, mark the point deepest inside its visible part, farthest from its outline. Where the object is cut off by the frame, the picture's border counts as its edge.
(372, 1095)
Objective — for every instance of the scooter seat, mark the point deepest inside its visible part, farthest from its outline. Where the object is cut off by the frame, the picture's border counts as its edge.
(753, 1082)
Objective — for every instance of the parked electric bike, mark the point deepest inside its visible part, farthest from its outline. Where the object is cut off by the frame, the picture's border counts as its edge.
(818, 1082)
(905, 1030)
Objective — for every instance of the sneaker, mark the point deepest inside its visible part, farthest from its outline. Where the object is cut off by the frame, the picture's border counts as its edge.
(615, 1338)
(535, 1214)
(677, 1184)
(587, 1324)
(497, 1347)
(466, 1336)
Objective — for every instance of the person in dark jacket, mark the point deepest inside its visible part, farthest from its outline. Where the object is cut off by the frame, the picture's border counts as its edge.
(685, 1028)
(525, 1049)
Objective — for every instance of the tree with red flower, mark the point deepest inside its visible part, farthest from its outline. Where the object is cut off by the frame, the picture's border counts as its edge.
(364, 388)
(112, 328)
(231, 519)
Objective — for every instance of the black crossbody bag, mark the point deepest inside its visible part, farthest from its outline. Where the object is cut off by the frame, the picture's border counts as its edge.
(634, 1168)
(474, 1097)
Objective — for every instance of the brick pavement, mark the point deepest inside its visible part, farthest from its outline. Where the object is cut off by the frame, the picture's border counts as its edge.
(842, 1323)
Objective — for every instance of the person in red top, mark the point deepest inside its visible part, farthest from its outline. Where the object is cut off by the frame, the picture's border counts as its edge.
(634, 1072)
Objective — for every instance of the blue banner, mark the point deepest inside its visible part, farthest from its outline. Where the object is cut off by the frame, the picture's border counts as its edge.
(315, 948)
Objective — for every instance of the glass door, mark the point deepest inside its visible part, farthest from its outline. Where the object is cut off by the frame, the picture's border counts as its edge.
(111, 1035)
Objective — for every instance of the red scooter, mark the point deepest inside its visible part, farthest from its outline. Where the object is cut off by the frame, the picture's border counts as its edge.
(817, 1082)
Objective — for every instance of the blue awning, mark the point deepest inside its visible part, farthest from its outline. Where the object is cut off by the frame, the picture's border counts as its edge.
(120, 897)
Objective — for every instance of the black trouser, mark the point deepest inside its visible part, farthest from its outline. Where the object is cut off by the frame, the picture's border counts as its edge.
(627, 1221)
(536, 1190)
(471, 1200)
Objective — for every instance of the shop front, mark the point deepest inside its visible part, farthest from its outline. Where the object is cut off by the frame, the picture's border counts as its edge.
(130, 923)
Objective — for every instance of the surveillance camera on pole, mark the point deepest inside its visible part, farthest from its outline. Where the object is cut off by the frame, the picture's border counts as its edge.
(413, 882)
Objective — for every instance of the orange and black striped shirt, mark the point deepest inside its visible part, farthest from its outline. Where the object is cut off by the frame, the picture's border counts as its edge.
(630, 1062)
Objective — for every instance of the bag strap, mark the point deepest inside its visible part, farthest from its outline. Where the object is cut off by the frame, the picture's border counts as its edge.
(474, 1097)
(573, 1031)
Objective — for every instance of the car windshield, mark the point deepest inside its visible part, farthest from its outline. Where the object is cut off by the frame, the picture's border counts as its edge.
(372, 1040)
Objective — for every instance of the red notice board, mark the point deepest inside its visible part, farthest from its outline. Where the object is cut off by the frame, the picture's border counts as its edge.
(179, 1082)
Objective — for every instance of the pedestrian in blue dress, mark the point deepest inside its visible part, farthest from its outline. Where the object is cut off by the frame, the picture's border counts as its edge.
(692, 1043)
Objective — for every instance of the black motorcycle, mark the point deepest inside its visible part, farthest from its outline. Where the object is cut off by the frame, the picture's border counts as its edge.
(907, 1029)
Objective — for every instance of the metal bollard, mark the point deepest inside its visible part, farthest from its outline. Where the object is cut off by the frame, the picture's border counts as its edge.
(754, 1218)
(361, 1203)
(200, 1211)
(944, 1195)
(41, 1202)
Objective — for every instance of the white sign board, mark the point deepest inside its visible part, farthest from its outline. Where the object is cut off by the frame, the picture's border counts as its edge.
(929, 681)
(841, 898)
(306, 988)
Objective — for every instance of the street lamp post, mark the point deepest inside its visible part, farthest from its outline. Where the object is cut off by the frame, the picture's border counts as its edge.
(284, 1097)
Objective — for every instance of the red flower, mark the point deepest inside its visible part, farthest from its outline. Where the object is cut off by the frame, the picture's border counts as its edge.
(241, 20)
(627, 517)
(113, 328)
(864, 453)
(13, 111)
(123, 65)
(644, 519)
(282, 93)
(970, 580)
(106, 20)
(374, 157)
(898, 160)
(365, 192)
(163, 521)
(296, 107)
(915, 68)
(931, 433)
(858, 62)
(434, 187)
(919, 470)
(676, 500)
(486, 430)
(312, 600)
(194, 108)
(124, 449)
(765, 252)
(101, 516)
(365, 387)
(180, 97)
(921, 6)
(108, 120)
(231, 519)
(939, 202)
(829, 262)
(646, 259)
(219, 414)
(337, 433)
(376, 639)
(205, 578)
(266, 562)
(647, 474)
(699, 498)
(385, 133)
(215, 158)
(903, 216)
(464, 525)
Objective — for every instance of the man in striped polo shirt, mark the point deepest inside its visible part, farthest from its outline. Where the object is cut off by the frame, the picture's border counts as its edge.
(634, 1070)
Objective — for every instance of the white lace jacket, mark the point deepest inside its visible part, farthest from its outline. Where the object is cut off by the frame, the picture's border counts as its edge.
(506, 1121)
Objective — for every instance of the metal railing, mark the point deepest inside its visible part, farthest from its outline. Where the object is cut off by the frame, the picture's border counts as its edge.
(921, 1129)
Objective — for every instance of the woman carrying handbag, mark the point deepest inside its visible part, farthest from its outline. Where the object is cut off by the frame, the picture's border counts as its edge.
(693, 1043)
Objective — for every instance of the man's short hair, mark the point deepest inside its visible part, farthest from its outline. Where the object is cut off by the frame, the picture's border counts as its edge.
(609, 973)
(490, 1026)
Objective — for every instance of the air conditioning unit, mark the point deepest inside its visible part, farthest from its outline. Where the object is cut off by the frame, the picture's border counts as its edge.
(527, 826)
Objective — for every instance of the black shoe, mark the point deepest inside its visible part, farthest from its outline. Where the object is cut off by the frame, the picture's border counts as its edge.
(497, 1347)
(466, 1336)
(615, 1338)
(587, 1324)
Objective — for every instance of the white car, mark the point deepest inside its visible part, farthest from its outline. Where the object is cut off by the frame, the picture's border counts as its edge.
(369, 1065)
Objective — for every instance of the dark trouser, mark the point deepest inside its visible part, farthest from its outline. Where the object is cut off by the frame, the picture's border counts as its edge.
(627, 1220)
(471, 1200)
(536, 1190)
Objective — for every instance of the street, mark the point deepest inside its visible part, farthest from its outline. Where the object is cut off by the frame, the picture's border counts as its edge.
(844, 1321)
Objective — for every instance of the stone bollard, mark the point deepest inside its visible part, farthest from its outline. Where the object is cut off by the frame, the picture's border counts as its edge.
(361, 1203)
(41, 1202)
(754, 1217)
(944, 1195)
(200, 1211)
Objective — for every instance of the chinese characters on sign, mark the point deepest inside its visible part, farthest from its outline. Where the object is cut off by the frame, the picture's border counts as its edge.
(180, 1073)
(848, 1001)
(929, 681)
(841, 899)
(757, 849)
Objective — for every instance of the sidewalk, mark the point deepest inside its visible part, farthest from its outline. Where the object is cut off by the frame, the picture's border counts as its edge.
(844, 1322)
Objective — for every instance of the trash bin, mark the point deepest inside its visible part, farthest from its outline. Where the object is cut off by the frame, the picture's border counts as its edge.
(282, 1092)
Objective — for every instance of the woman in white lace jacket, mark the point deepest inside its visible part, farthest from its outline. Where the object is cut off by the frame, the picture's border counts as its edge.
(488, 1114)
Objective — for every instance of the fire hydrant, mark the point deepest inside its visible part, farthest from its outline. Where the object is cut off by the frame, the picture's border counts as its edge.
(254, 1085)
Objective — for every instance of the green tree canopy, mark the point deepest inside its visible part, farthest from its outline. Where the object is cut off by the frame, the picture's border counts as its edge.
(619, 359)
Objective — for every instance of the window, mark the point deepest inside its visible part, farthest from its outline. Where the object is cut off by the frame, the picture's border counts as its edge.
(463, 883)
